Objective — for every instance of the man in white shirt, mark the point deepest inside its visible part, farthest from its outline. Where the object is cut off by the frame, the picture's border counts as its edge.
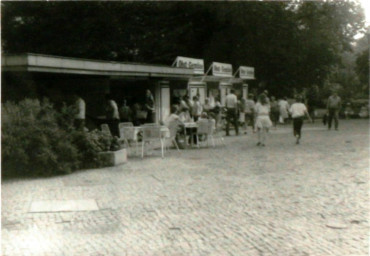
(231, 104)
(284, 108)
(197, 108)
(333, 107)
(80, 113)
(298, 111)
(112, 115)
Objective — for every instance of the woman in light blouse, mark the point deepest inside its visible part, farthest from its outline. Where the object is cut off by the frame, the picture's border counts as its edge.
(263, 122)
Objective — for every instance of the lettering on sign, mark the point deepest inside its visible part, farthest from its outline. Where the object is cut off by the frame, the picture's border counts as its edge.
(246, 72)
(196, 64)
(222, 69)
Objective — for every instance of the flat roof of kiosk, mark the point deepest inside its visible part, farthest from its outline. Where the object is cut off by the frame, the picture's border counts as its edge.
(30, 62)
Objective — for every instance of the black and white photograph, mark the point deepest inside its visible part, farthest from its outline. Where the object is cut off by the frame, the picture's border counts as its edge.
(185, 128)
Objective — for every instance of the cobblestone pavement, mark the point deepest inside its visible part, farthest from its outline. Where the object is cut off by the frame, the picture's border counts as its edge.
(282, 199)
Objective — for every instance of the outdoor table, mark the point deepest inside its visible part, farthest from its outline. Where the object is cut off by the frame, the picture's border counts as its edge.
(191, 127)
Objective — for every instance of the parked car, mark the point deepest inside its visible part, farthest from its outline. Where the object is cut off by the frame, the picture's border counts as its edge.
(360, 108)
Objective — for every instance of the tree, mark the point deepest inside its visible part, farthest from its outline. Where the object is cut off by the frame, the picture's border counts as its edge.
(291, 45)
(362, 70)
(327, 29)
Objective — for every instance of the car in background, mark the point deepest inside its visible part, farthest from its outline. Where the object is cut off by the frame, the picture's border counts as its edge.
(357, 108)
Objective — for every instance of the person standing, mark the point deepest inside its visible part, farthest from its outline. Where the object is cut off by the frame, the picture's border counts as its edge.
(207, 107)
(217, 110)
(333, 106)
(183, 102)
(196, 109)
(263, 121)
(125, 112)
(298, 111)
(275, 111)
(112, 115)
(149, 107)
(231, 104)
(241, 107)
(80, 116)
(284, 109)
(249, 111)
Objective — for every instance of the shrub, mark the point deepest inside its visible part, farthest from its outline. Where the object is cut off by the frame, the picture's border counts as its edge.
(38, 140)
(89, 144)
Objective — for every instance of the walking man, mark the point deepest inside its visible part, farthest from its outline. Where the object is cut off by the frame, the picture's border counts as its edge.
(80, 115)
(231, 104)
(298, 111)
(112, 115)
(333, 106)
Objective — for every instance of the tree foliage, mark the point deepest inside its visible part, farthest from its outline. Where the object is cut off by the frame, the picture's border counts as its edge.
(362, 69)
(290, 44)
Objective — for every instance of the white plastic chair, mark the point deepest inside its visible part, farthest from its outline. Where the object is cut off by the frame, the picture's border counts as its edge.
(123, 125)
(203, 130)
(152, 133)
(217, 134)
(129, 134)
(172, 126)
(211, 130)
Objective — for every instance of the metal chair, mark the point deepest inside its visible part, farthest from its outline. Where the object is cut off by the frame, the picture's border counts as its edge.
(152, 133)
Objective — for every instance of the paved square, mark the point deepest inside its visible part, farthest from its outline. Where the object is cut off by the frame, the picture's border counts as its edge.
(63, 206)
(283, 199)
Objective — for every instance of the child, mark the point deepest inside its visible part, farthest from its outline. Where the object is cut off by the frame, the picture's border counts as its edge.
(298, 111)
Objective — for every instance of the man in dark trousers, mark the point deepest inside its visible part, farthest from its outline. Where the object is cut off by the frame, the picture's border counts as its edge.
(333, 106)
(149, 106)
(112, 115)
(231, 104)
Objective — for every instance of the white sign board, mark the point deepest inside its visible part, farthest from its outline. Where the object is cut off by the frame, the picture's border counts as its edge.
(246, 72)
(196, 64)
(222, 69)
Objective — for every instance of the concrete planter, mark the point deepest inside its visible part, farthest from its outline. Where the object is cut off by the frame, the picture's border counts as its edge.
(113, 158)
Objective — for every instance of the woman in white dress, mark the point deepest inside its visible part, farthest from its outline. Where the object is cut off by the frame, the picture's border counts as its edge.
(263, 122)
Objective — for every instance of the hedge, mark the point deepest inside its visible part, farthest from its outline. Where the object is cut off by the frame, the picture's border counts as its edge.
(38, 140)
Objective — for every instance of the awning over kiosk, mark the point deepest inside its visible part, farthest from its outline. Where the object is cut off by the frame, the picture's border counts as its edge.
(55, 64)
